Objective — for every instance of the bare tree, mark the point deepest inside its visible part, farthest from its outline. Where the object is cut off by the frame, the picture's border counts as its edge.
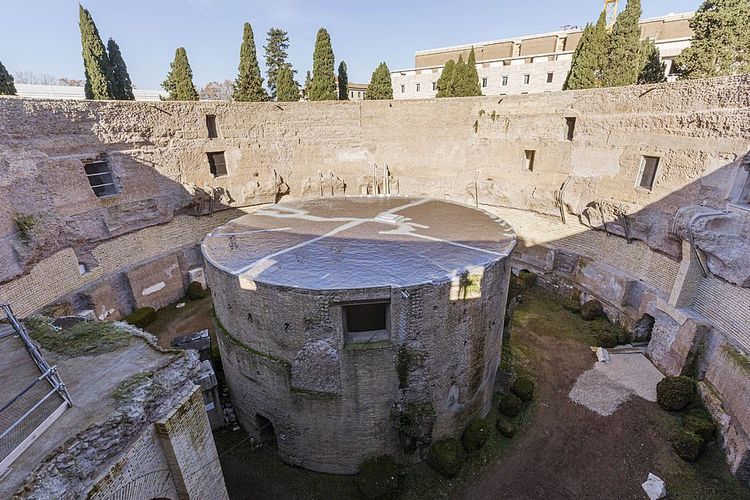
(29, 77)
(217, 91)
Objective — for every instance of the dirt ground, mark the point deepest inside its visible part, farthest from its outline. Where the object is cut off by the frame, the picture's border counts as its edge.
(173, 322)
(563, 451)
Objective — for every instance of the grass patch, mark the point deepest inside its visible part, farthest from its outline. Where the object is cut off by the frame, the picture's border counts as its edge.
(87, 338)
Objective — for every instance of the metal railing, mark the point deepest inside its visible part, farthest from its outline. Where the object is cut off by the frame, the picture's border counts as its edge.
(25, 415)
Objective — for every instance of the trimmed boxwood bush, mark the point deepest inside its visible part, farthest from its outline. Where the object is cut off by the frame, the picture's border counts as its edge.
(591, 310)
(674, 393)
(475, 435)
(523, 387)
(378, 478)
(688, 445)
(607, 340)
(505, 426)
(702, 427)
(510, 405)
(446, 457)
(141, 317)
(195, 291)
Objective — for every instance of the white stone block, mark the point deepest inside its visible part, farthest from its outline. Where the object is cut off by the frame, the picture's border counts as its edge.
(654, 487)
(198, 275)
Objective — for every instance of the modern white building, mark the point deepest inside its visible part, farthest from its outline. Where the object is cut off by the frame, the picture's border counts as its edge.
(76, 93)
(532, 63)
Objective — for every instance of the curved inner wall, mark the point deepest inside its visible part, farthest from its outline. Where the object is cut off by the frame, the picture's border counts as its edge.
(651, 183)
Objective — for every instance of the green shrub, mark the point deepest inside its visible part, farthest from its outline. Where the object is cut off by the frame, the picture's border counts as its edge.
(84, 338)
(378, 478)
(607, 339)
(446, 457)
(195, 291)
(674, 393)
(510, 405)
(141, 317)
(701, 426)
(505, 426)
(572, 305)
(591, 310)
(523, 387)
(688, 445)
(475, 435)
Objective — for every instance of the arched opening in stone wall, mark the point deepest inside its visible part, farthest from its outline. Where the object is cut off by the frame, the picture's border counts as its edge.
(266, 431)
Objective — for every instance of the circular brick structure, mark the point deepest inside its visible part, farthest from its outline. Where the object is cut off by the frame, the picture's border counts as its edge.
(359, 326)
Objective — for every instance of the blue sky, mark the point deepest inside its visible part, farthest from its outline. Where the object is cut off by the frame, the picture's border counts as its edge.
(42, 35)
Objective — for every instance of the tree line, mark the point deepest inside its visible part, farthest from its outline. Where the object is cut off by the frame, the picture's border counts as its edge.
(602, 58)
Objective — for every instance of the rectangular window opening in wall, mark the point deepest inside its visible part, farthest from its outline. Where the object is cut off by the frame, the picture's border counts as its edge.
(528, 159)
(213, 132)
(505, 81)
(434, 86)
(217, 163)
(100, 178)
(403, 88)
(526, 79)
(570, 127)
(366, 322)
(484, 82)
(418, 87)
(649, 165)
(550, 77)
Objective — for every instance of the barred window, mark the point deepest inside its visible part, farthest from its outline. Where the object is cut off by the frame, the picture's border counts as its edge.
(100, 178)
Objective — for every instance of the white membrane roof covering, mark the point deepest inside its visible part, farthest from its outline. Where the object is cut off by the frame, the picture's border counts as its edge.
(358, 242)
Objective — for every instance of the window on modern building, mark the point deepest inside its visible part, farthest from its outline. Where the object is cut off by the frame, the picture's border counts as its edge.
(506, 63)
(434, 86)
(528, 159)
(528, 60)
(550, 77)
(403, 88)
(418, 87)
(526, 79)
(484, 82)
(100, 178)
(649, 165)
(505, 81)
(366, 322)
(213, 131)
(570, 127)
(217, 163)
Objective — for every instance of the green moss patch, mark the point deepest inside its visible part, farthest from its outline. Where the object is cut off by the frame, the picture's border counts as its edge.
(87, 338)
(378, 478)
(739, 359)
(127, 387)
(141, 317)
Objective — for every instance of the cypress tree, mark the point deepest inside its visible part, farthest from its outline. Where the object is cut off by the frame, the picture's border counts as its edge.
(286, 88)
(122, 88)
(277, 43)
(95, 61)
(721, 44)
(343, 82)
(652, 70)
(7, 87)
(460, 78)
(624, 48)
(471, 85)
(179, 82)
(323, 84)
(249, 83)
(446, 83)
(589, 57)
(380, 86)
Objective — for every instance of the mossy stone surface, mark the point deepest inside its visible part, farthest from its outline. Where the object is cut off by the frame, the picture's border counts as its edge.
(446, 457)
(141, 317)
(475, 435)
(675, 393)
(591, 310)
(523, 387)
(510, 405)
(378, 478)
(505, 426)
(688, 445)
